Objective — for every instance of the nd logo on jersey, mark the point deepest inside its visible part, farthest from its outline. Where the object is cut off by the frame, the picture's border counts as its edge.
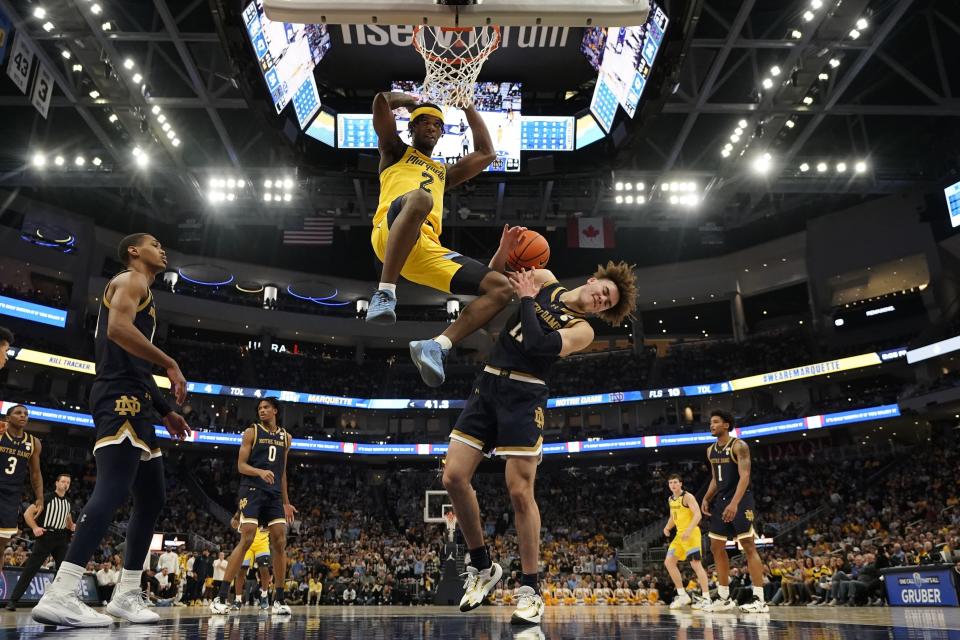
(127, 406)
(538, 417)
(243, 503)
(749, 515)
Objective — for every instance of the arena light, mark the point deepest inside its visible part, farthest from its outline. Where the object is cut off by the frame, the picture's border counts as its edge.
(767, 83)
(39, 160)
(94, 94)
(65, 54)
(96, 161)
(725, 153)
(619, 199)
(854, 34)
(171, 134)
(39, 13)
(48, 27)
(674, 200)
(77, 68)
(628, 199)
(137, 78)
(59, 161)
(128, 64)
(808, 16)
(862, 24)
(155, 110)
(641, 186)
(175, 142)
(734, 138)
(107, 26)
(287, 197)
(816, 4)
(641, 199)
(834, 63)
(628, 186)
(268, 183)
(822, 167)
(268, 197)
(790, 124)
(860, 167)
(161, 118)
(616, 187)
(774, 71)
(80, 161)
(823, 77)
(804, 167)
(841, 167)
(95, 9)
(288, 183)
(807, 100)
(742, 124)
(761, 164)
(796, 34)
(738, 131)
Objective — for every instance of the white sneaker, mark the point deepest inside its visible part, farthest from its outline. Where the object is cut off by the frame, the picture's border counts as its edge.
(720, 604)
(219, 608)
(529, 607)
(67, 610)
(530, 633)
(279, 608)
(700, 602)
(755, 606)
(682, 600)
(132, 606)
(478, 584)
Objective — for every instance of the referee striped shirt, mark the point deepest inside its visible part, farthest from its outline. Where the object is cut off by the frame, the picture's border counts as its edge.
(55, 512)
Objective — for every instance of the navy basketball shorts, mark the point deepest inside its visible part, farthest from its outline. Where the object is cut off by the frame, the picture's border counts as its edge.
(259, 507)
(503, 417)
(742, 524)
(124, 414)
(9, 510)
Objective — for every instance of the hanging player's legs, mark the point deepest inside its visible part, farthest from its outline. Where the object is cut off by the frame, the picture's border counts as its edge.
(121, 471)
(482, 574)
(520, 475)
(278, 552)
(248, 531)
(404, 219)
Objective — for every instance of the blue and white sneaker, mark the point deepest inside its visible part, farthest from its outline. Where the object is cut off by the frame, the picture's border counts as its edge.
(264, 603)
(382, 309)
(429, 357)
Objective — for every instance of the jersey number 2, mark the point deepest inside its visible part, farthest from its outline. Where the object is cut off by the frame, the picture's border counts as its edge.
(427, 181)
(13, 465)
(272, 453)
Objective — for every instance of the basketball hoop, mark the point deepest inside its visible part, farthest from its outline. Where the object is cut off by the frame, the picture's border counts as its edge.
(453, 57)
(450, 518)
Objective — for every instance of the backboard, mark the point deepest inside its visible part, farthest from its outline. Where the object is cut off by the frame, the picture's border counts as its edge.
(559, 13)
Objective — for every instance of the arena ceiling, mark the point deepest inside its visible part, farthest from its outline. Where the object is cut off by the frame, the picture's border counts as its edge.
(886, 98)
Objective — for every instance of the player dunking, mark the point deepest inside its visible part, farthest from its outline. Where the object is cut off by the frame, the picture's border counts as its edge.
(19, 451)
(732, 518)
(684, 516)
(408, 224)
(127, 453)
(263, 500)
(504, 414)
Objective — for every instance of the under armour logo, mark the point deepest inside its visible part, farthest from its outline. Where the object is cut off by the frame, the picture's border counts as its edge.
(127, 406)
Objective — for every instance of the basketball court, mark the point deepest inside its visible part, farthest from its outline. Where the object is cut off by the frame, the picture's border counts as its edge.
(493, 623)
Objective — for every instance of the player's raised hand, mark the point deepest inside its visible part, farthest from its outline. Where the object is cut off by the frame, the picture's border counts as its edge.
(288, 512)
(177, 383)
(510, 238)
(524, 283)
(176, 426)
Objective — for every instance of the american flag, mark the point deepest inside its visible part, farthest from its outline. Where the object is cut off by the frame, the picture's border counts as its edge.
(315, 231)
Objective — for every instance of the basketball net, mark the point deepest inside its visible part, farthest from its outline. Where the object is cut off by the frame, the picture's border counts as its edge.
(453, 57)
(451, 521)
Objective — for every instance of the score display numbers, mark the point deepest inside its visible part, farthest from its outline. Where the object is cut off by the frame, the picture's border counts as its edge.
(604, 104)
(546, 133)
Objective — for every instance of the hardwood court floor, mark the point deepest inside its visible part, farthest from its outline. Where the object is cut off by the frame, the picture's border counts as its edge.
(493, 623)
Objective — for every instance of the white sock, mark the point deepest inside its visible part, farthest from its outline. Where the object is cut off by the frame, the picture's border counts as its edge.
(386, 286)
(706, 593)
(682, 593)
(758, 593)
(723, 592)
(444, 342)
(129, 580)
(239, 599)
(68, 578)
(263, 593)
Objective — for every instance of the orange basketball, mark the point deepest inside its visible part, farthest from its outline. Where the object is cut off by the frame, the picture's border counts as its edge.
(532, 252)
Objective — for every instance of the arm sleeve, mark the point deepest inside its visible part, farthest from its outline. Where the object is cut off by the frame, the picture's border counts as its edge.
(535, 342)
(159, 402)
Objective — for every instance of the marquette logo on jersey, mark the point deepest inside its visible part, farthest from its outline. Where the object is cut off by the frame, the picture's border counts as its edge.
(748, 514)
(127, 406)
(538, 417)
(429, 166)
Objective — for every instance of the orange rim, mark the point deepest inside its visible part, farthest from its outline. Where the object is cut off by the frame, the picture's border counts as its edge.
(460, 60)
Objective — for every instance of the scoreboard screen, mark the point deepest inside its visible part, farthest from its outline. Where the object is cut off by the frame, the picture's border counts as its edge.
(952, 193)
(546, 133)
(355, 131)
(604, 103)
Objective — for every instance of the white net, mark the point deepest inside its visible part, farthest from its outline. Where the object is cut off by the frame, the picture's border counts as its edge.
(453, 57)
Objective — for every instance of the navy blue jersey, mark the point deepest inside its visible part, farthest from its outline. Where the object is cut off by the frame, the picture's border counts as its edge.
(269, 452)
(724, 463)
(116, 364)
(552, 314)
(15, 459)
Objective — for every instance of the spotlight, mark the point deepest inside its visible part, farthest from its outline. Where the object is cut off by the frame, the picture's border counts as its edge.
(821, 167)
(97, 161)
(231, 197)
(171, 134)
(618, 186)
(742, 124)
(841, 167)
(628, 199)
(241, 184)
(641, 186)
(79, 161)
(641, 199)
(39, 160)
(854, 34)
(268, 183)
(268, 197)
(674, 199)
(862, 24)
(113, 118)
(65, 54)
(128, 63)
(288, 184)
(767, 83)
(665, 187)
(231, 183)
(161, 118)
(796, 35)
(808, 100)
(728, 147)
(59, 161)
(175, 142)
(738, 131)
(77, 68)
(761, 164)
(39, 13)
(628, 186)
(790, 124)
(137, 78)
(860, 167)
(834, 63)
(94, 94)
(48, 26)
(166, 127)
(823, 77)
(816, 4)
(735, 138)
(774, 71)
(287, 197)
(142, 160)
(95, 9)
(807, 16)
(107, 26)
(804, 167)
(619, 199)
(725, 153)
(155, 110)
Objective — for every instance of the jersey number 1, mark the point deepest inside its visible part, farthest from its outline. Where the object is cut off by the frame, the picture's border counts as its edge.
(517, 332)
(427, 181)
(719, 473)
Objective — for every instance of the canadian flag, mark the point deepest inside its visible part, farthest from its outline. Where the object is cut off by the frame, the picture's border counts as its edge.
(590, 233)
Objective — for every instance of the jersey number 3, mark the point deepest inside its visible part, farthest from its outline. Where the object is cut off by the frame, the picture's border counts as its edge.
(13, 465)
(428, 180)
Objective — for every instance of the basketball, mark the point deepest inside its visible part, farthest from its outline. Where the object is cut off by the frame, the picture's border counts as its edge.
(532, 252)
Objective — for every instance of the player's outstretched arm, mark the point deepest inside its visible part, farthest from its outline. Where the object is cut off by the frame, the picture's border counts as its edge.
(385, 124)
(508, 242)
(473, 164)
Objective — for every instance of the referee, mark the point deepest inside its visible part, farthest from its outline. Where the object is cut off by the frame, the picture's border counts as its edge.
(52, 538)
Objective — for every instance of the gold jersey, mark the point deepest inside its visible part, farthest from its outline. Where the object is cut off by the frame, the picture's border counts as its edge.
(681, 513)
(411, 172)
